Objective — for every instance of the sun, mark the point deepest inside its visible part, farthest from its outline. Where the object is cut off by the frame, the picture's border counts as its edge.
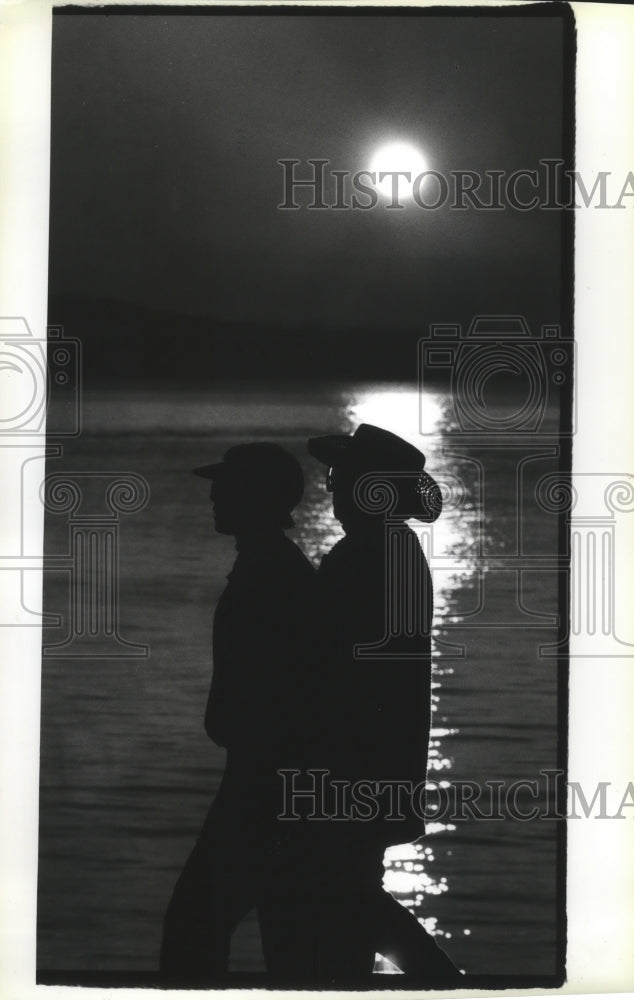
(401, 156)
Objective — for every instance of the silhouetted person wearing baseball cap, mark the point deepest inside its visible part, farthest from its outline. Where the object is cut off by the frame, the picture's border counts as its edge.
(260, 633)
(374, 724)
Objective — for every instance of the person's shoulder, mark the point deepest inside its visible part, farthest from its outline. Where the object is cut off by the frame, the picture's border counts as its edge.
(338, 554)
(361, 558)
(292, 561)
(279, 564)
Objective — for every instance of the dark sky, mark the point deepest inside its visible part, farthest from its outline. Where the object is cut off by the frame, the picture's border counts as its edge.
(166, 131)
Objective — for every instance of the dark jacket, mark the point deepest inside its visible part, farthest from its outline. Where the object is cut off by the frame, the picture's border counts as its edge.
(378, 723)
(262, 625)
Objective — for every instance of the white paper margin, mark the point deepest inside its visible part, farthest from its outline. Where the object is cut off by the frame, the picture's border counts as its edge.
(600, 852)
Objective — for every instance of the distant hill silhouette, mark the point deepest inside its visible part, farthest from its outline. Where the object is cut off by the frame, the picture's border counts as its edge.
(125, 341)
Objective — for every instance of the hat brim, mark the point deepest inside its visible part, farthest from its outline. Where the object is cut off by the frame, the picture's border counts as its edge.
(208, 471)
(333, 449)
(433, 502)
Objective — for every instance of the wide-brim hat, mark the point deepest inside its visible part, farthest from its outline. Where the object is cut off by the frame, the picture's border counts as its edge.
(264, 467)
(374, 449)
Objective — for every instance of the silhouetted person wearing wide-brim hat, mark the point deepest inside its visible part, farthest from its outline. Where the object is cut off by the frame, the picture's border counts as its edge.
(377, 603)
(259, 641)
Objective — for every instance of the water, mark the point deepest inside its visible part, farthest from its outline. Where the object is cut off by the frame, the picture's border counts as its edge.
(127, 772)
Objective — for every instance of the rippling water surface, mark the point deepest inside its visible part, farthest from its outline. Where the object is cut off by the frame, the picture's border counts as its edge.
(127, 772)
